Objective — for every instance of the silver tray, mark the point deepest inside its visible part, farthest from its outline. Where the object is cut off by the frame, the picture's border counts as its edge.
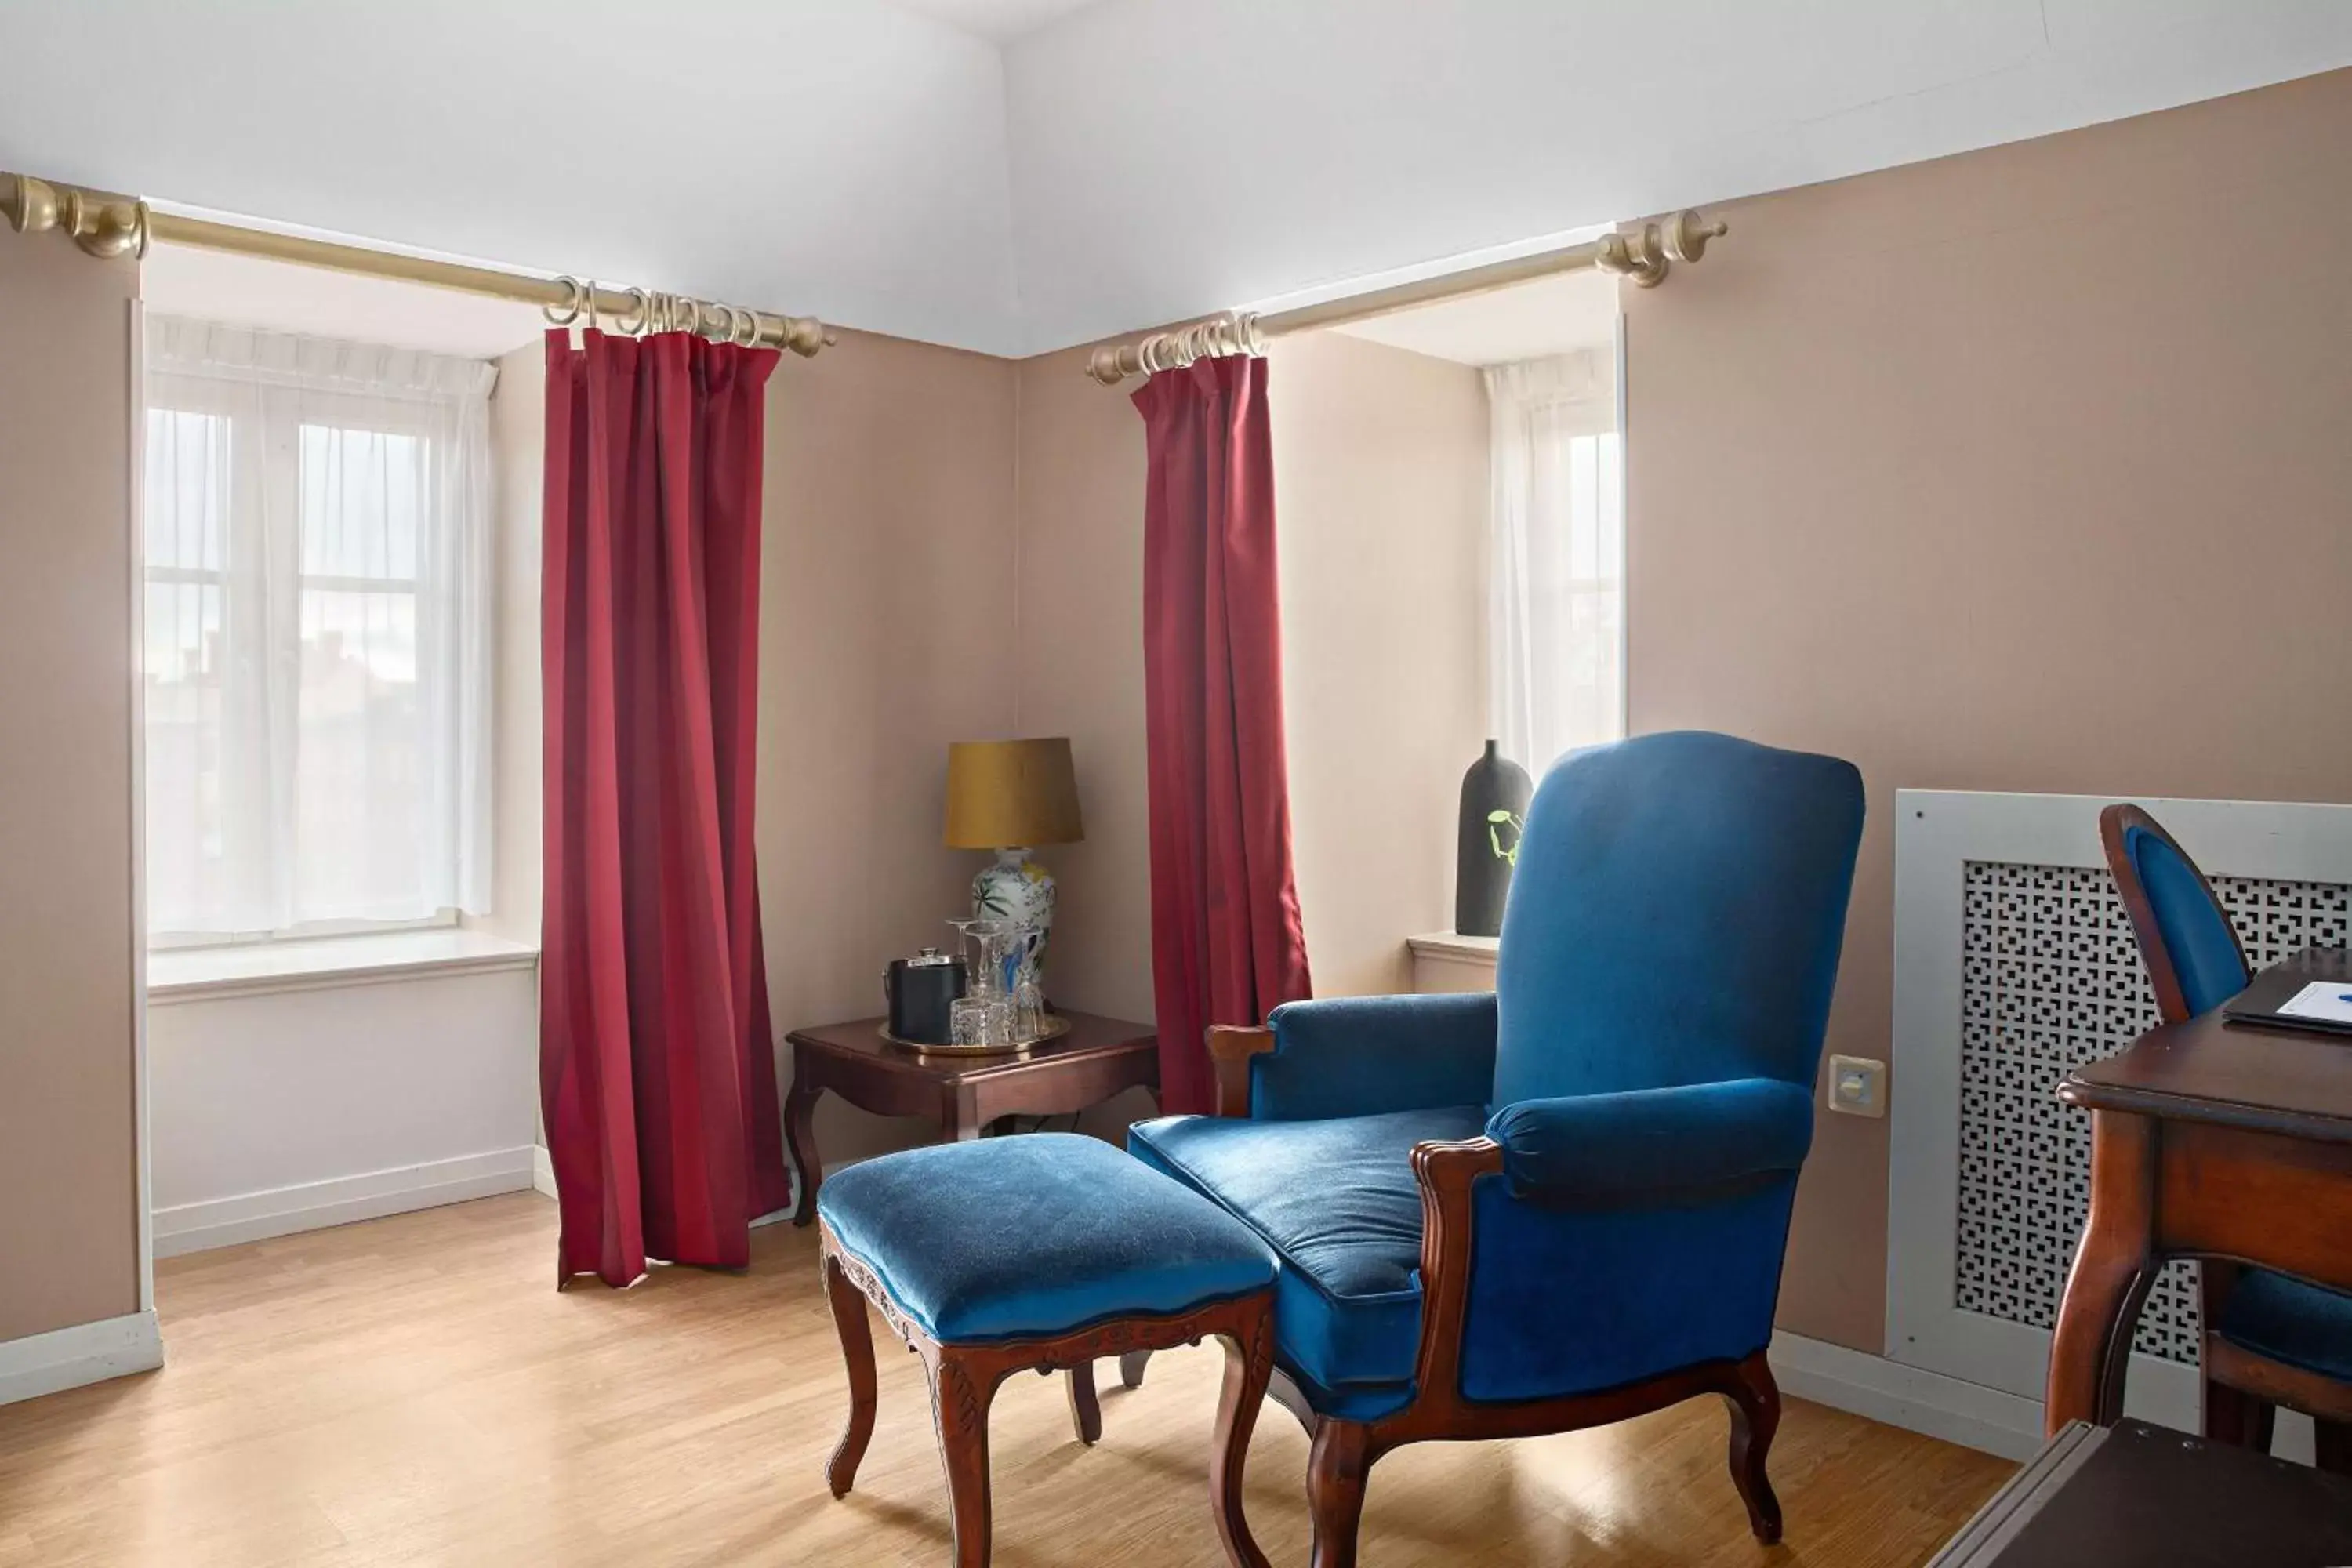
(1056, 1028)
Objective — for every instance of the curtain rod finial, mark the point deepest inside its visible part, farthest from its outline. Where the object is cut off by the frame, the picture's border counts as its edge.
(30, 205)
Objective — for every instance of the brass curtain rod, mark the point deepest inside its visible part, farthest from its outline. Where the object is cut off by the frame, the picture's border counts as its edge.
(106, 224)
(1642, 254)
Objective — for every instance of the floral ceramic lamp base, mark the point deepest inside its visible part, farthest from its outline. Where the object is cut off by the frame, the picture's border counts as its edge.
(1016, 887)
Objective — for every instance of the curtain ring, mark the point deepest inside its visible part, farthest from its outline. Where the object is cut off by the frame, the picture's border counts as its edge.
(563, 315)
(641, 319)
(752, 329)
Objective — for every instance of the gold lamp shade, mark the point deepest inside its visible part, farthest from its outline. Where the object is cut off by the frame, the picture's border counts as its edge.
(1003, 794)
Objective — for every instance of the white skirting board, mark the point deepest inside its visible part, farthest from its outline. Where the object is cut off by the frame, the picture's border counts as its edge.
(1990, 1419)
(1968, 1414)
(313, 1205)
(542, 1181)
(87, 1352)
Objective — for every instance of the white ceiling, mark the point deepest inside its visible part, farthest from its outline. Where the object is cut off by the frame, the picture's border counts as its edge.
(250, 292)
(1529, 320)
(999, 21)
(1116, 166)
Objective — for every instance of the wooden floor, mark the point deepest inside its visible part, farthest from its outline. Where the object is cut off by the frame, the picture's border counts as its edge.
(414, 1390)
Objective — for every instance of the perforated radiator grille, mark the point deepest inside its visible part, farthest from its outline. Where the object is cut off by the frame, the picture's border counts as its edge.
(2050, 979)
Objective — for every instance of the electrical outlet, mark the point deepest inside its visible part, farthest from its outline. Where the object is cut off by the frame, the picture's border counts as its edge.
(1858, 1086)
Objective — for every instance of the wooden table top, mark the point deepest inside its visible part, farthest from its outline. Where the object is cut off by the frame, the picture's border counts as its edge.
(2293, 1082)
(1090, 1035)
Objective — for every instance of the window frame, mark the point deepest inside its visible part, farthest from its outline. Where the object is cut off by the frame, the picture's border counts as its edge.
(279, 474)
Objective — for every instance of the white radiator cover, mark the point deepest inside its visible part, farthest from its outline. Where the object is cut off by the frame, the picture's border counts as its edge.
(2013, 963)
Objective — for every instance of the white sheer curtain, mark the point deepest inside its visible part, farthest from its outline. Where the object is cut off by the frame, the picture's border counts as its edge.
(316, 650)
(1557, 594)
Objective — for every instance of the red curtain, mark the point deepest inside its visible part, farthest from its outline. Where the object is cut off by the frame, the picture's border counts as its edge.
(1226, 940)
(657, 1075)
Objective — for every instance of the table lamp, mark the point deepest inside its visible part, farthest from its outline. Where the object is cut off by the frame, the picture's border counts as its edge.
(1009, 795)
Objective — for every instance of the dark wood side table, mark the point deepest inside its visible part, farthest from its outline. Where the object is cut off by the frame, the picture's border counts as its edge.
(2207, 1140)
(1096, 1059)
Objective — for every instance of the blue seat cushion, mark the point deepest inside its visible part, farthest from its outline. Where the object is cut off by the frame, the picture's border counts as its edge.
(1337, 1200)
(1014, 1238)
(2282, 1317)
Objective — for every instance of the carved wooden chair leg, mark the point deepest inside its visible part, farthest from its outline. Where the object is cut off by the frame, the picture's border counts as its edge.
(1085, 1410)
(858, 1355)
(1336, 1469)
(1249, 1362)
(1130, 1367)
(1755, 1401)
(960, 1400)
(2233, 1416)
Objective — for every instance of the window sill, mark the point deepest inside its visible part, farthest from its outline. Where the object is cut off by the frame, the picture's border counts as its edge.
(211, 973)
(1460, 949)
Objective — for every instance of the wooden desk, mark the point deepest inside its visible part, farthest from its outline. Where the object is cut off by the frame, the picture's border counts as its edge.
(2207, 1140)
(1096, 1059)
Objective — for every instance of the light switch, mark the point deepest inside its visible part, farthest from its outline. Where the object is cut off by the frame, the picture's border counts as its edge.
(1858, 1086)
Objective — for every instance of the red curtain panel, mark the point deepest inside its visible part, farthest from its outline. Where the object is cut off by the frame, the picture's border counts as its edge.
(1226, 942)
(658, 1074)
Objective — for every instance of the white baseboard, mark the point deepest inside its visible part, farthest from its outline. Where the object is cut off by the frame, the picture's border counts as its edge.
(87, 1352)
(1968, 1414)
(313, 1205)
(542, 1181)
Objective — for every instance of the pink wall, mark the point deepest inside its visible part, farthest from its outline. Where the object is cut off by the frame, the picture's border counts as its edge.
(2027, 470)
(68, 1189)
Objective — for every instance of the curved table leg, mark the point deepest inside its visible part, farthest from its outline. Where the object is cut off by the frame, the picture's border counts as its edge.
(800, 1144)
(2113, 1268)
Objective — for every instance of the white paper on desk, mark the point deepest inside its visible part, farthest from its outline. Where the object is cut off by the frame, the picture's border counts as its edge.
(2326, 999)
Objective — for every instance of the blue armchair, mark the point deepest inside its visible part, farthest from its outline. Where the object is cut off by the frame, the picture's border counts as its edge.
(2269, 1338)
(1564, 1202)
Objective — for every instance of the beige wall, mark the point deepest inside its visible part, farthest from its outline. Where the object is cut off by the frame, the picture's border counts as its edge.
(1381, 476)
(69, 1190)
(2027, 470)
(1379, 463)
(887, 631)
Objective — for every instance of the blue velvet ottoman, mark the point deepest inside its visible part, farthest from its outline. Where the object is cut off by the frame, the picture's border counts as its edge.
(1042, 1252)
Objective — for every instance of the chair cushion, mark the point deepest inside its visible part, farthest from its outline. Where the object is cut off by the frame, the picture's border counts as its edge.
(1337, 1200)
(1010, 1237)
(2281, 1317)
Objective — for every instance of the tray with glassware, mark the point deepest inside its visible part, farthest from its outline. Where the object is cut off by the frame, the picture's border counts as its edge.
(982, 1000)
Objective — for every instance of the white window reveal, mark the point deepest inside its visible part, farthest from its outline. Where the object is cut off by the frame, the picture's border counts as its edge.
(1556, 620)
(317, 641)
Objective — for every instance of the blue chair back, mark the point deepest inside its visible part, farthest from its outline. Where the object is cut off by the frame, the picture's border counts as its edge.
(1675, 917)
(2194, 962)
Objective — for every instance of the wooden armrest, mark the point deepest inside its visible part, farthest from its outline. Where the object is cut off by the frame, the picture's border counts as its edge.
(1445, 1173)
(1230, 1050)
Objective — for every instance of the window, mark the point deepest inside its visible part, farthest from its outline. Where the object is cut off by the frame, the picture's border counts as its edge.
(1557, 619)
(316, 643)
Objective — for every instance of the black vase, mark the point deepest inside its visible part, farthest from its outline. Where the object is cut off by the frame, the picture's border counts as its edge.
(1494, 794)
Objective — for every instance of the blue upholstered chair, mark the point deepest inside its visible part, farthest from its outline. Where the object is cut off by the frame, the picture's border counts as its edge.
(1564, 1202)
(2270, 1339)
